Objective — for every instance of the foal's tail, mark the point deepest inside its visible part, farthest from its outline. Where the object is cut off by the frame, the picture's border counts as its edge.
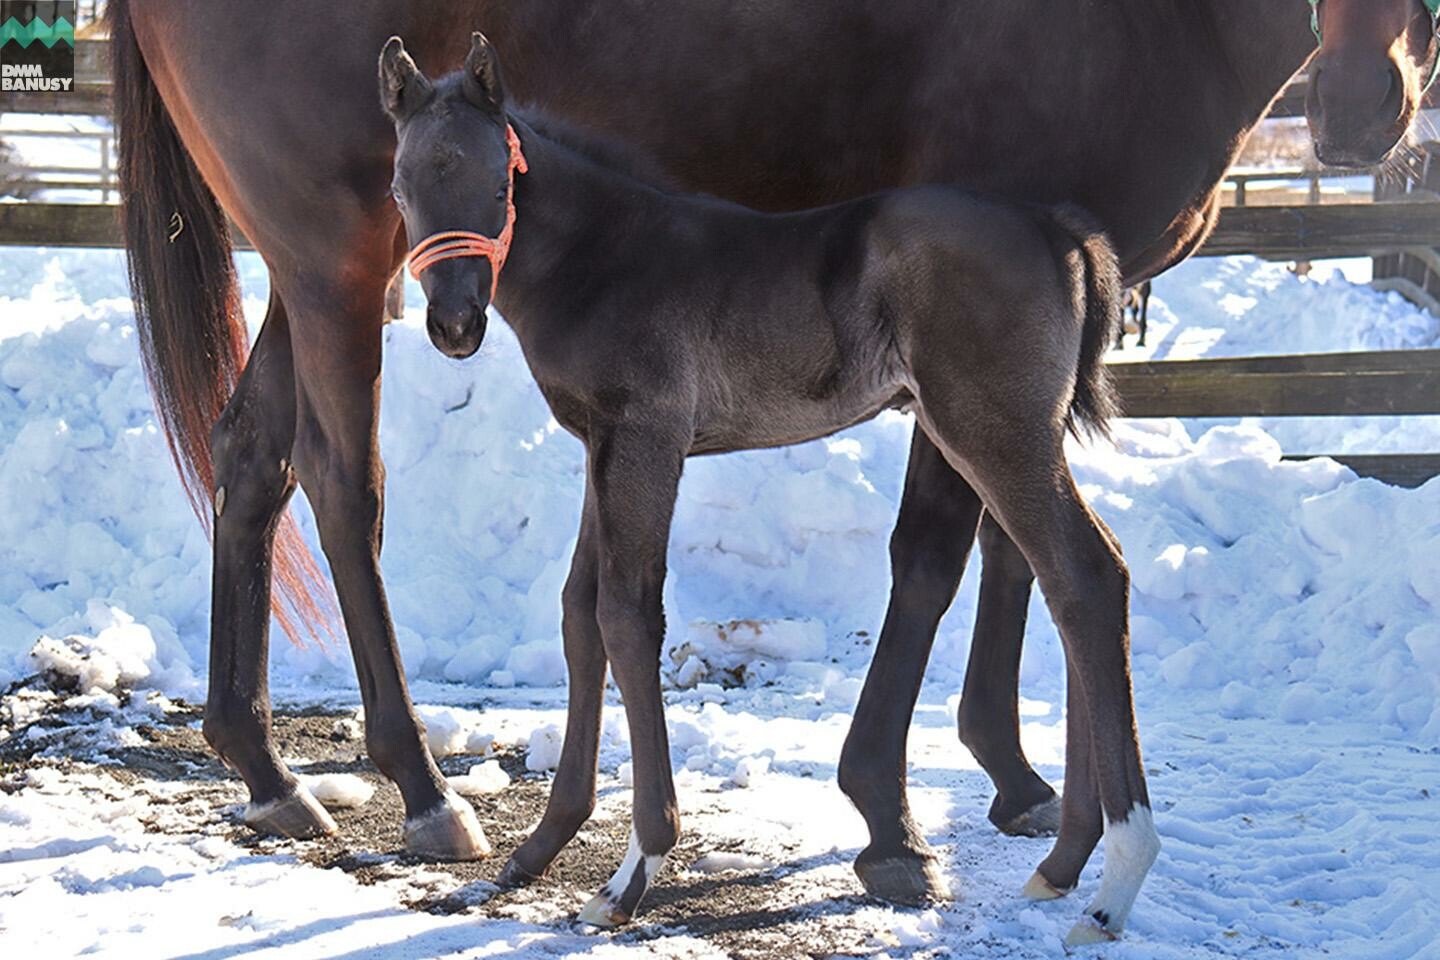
(1095, 401)
(187, 301)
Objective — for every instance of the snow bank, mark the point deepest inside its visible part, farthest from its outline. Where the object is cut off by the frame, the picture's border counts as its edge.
(1261, 587)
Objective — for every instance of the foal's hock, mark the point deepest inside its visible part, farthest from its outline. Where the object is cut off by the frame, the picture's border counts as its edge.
(660, 325)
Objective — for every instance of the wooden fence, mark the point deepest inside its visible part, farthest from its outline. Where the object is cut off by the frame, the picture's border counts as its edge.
(1400, 229)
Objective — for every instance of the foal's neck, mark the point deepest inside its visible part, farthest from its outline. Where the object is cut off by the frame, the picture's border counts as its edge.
(578, 221)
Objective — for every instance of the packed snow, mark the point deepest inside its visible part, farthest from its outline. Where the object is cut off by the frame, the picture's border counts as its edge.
(1286, 649)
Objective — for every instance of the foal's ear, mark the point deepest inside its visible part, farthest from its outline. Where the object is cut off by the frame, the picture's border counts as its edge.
(403, 88)
(482, 85)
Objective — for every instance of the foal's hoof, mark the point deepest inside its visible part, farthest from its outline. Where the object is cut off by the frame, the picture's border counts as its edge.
(1087, 932)
(910, 882)
(449, 832)
(1038, 888)
(602, 911)
(1041, 820)
(297, 815)
(513, 876)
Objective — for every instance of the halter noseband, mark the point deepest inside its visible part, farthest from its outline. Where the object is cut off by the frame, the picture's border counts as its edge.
(463, 243)
(1432, 5)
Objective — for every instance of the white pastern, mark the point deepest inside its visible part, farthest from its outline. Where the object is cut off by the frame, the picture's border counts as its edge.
(1131, 846)
(605, 908)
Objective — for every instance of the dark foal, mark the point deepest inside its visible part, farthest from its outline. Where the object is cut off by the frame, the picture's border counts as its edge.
(661, 326)
(1136, 308)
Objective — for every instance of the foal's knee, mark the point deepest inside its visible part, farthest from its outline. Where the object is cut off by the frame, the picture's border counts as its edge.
(632, 625)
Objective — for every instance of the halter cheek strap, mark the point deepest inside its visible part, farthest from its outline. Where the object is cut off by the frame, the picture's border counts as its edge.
(462, 243)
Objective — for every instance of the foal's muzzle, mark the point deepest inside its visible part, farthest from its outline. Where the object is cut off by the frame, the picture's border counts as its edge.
(457, 329)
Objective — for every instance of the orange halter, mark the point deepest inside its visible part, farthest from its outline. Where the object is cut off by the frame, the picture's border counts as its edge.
(462, 243)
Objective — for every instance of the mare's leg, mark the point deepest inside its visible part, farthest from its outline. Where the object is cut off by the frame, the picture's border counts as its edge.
(1017, 462)
(635, 473)
(395, 297)
(1144, 311)
(336, 330)
(928, 549)
(989, 714)
(250, 445)
(572, 795)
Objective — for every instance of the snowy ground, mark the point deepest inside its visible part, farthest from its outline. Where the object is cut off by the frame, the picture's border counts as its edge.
(1286, 642)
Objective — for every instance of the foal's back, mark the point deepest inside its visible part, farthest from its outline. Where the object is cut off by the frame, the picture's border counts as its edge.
(806, 323)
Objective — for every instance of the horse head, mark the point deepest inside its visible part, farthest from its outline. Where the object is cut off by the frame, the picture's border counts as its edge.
(1377, 57)
(455, 165)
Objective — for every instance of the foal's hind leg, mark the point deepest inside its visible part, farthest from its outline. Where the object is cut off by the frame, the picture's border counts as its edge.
(336, 335)
(1086, 584)
(928, 549)
(989, 714)
(635, 473)
(251, 446)
(572, 795)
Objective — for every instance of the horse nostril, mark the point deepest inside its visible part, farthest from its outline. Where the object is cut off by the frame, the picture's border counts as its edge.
(1394, 91)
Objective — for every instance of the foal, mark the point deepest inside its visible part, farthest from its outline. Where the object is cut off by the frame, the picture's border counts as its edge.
(660, 326)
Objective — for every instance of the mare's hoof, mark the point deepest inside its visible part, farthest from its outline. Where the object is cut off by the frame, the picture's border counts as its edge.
(602, 911)
(1087, 932)
(910, 881)
(513, 876)
(449, 832)
(297, 815)
(1038, 888)
(1041, 820)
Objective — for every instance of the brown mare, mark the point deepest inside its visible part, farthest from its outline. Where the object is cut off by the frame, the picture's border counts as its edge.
(779, 106)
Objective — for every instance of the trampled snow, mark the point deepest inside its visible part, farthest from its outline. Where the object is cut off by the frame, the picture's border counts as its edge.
(1284, 616)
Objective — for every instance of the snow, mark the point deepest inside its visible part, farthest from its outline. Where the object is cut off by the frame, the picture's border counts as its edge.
(339, 791)
(1285, 642)
(543, 751)
(483, 779)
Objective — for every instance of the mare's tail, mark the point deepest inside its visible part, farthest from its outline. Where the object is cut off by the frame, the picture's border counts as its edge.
(187, 304)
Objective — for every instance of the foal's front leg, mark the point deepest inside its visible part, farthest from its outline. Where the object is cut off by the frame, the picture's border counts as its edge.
(572, 795)
(635, 474)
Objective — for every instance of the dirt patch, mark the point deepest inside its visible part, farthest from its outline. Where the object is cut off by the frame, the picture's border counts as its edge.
(780, 911)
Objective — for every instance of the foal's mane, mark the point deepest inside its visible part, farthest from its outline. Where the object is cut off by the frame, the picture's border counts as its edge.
(605, 151)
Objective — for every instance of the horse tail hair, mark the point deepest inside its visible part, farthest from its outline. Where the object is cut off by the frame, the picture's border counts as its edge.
(1095, 400)
(191, 329)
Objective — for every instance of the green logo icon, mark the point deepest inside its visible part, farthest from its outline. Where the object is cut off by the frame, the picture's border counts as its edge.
(37, 31)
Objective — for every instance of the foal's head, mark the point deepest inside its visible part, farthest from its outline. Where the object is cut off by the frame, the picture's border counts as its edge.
(455, 169)
(1376, 59)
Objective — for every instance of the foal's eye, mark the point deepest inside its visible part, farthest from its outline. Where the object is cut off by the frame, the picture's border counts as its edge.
(397, 196)
(502, 193)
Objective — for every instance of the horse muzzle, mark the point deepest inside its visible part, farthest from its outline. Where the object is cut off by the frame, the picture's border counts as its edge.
(457, 330)
(1357, 114)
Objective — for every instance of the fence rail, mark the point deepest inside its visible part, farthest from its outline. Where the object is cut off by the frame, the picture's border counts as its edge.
(1382, 383)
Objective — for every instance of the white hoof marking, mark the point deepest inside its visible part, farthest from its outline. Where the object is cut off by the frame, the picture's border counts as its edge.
(606, 908)
(1131, 846)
